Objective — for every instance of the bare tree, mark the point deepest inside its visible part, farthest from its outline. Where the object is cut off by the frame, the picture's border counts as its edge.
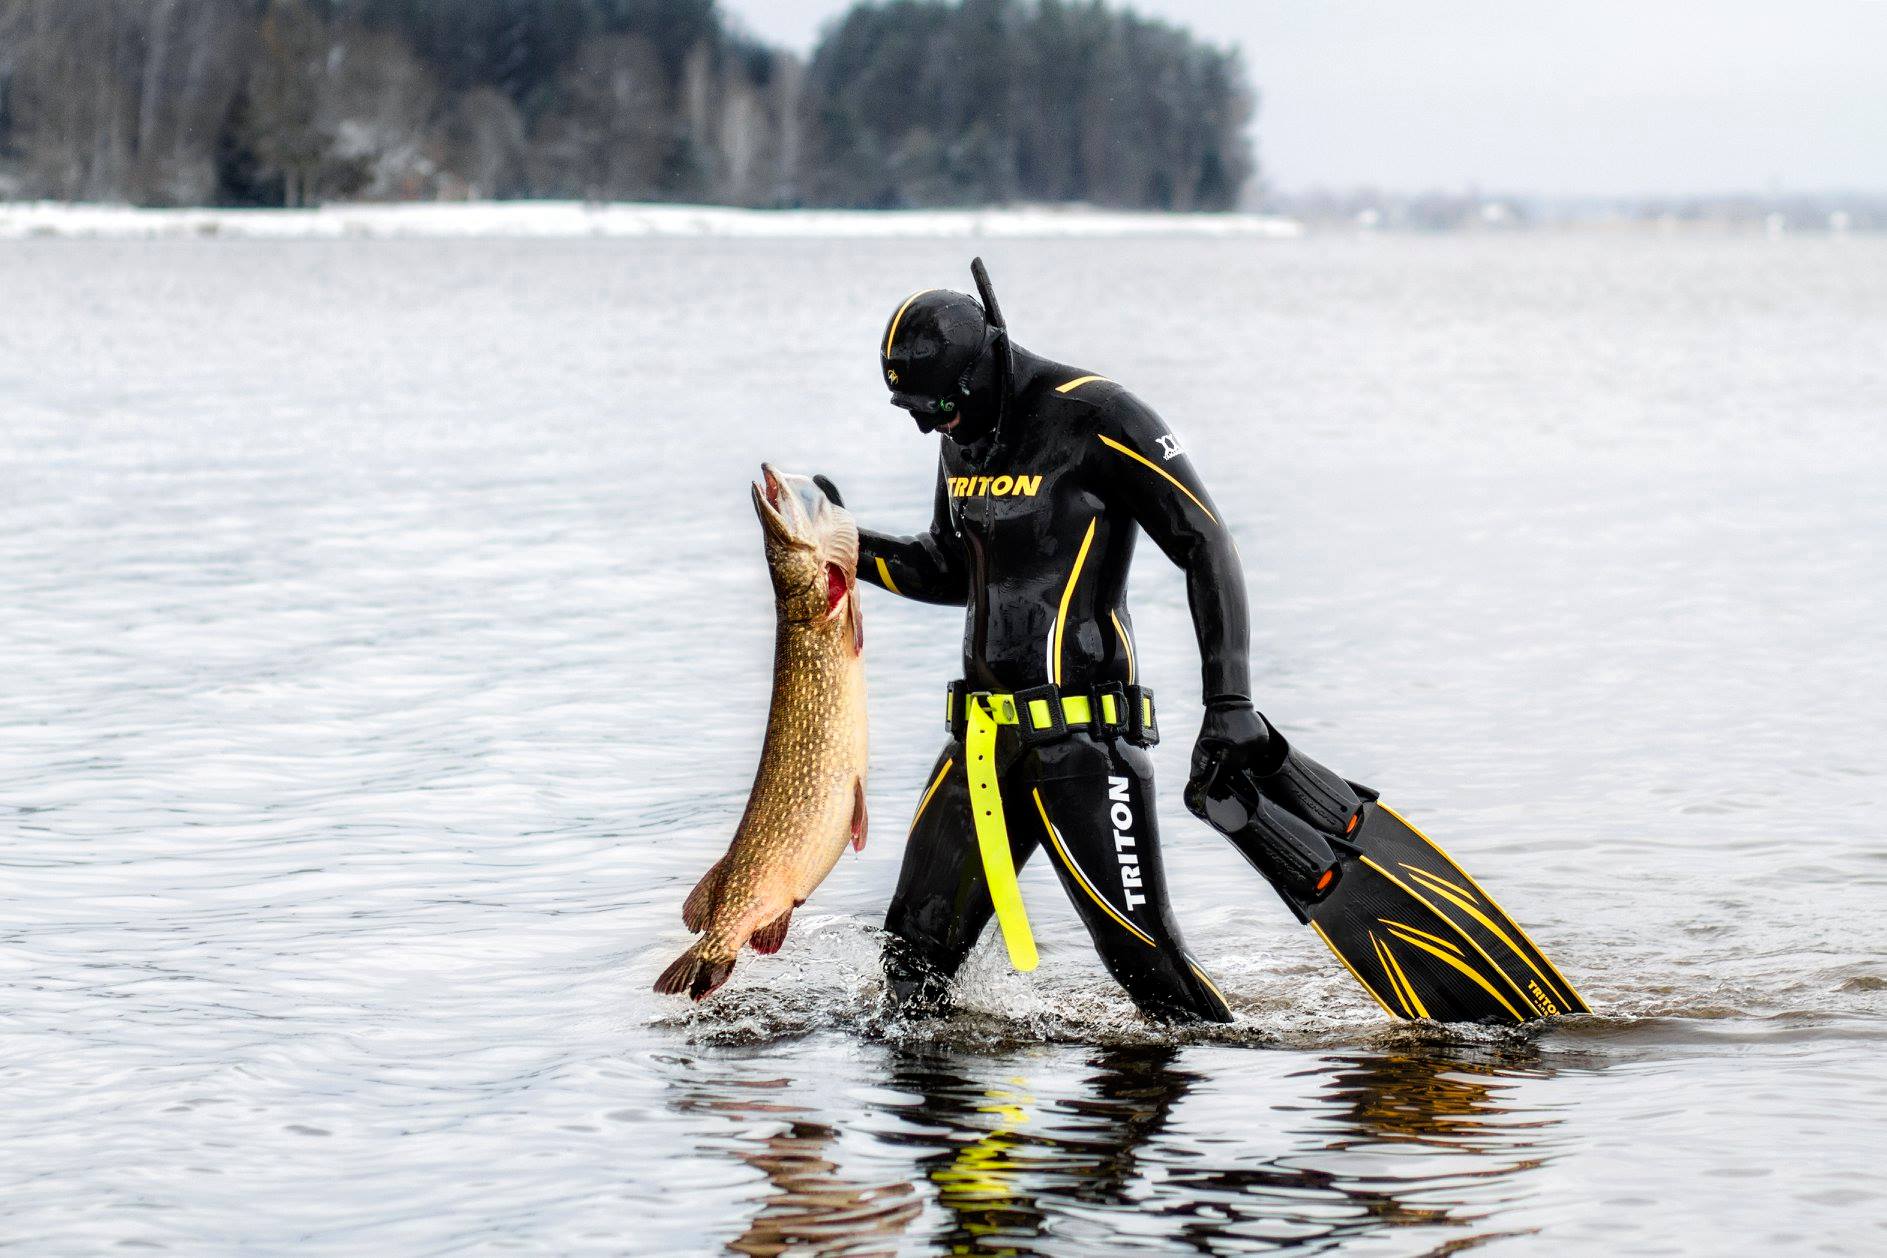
(610, 136)
(72, 110)
(194, 58)
(379, 105)
(485, 145)
(281, 121)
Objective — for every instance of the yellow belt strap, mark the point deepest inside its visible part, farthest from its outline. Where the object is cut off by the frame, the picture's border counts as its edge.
(992, 833)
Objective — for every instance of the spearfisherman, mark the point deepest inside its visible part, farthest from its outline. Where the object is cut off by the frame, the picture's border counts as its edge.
(1045, 474)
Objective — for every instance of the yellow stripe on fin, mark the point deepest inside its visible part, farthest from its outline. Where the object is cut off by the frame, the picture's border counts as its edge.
(1466, 938)
(1395, 925)
(1537, 950)
(1421, 1010)
(1466, 969)
(1431, 883)
(1361, 981)
(1382, 960)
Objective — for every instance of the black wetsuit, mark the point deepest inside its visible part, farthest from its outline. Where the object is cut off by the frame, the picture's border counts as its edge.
(1033, 533)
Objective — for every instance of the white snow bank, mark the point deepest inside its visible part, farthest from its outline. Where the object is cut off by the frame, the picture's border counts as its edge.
(571, 218)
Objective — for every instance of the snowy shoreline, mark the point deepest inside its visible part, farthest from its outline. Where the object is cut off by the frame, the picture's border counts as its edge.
(570, 219)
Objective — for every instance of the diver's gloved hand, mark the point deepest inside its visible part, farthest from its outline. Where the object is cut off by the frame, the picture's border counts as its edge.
(830, 490)
(1233, 736)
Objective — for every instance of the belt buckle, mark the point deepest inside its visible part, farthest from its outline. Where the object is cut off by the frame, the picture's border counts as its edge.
(1025, 701)
(1104, 728)
(1001, 706)
(1142, 728)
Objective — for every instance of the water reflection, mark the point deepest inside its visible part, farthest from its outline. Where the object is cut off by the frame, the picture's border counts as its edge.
(813, 1209)
(1007, 1160)
(1392, 1141)
(1023, 1156)
(1020, 1174)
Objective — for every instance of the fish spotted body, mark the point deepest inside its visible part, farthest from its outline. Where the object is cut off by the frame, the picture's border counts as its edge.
(808, 798)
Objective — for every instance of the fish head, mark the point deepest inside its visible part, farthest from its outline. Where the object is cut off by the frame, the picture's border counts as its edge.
(811, 544)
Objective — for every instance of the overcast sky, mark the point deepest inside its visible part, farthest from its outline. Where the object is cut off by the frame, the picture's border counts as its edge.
(1597, 97)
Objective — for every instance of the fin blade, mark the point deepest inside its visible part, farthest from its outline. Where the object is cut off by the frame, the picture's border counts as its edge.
(768, 938)
(861, 822)
(1462, 960)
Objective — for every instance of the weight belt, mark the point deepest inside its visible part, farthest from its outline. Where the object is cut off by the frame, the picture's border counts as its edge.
(1041, 714)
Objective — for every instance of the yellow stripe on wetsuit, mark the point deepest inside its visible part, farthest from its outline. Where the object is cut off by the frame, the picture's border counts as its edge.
(1054, 837)
(992, 834)
(884, 576)
(1159, 471)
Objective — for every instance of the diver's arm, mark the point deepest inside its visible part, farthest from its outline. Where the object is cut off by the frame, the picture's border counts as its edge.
(1169, 501)
(928, 567)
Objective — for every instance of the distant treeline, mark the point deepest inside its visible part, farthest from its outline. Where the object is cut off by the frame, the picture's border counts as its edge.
(910, 103)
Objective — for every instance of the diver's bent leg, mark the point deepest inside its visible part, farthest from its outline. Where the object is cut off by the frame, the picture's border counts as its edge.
(1099, 826)
(942, 902)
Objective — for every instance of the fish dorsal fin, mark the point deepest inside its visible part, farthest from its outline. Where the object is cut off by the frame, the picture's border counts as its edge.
(769, 937)
(700, 902)
(860, 823)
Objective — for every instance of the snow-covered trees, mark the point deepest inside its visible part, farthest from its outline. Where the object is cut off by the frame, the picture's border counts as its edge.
(919, 102)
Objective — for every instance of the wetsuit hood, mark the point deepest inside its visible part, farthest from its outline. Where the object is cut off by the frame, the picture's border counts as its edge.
(947, 361)
(936, 348)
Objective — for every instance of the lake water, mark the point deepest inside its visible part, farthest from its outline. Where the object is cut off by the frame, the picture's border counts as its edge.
(384, 647)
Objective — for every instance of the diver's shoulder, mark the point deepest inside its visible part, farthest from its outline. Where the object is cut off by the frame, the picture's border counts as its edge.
(1077, 390)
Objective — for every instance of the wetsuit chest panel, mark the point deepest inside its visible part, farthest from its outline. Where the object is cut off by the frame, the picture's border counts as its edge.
(1047, 557)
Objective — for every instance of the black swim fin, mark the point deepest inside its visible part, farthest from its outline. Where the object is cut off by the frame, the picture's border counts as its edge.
(1410, 925)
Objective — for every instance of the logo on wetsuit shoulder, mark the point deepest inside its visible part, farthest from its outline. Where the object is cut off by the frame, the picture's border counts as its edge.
(1170, 448)
(995, 486)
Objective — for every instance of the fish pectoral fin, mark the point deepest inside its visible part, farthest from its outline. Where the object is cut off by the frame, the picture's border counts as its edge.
(859, 820)
(700, 901)
(769, 937)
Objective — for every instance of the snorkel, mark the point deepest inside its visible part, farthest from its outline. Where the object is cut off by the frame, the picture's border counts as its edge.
(1005, 353)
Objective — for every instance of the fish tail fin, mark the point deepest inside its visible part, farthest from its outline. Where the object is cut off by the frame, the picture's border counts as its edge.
(700, 902)
(694, 974)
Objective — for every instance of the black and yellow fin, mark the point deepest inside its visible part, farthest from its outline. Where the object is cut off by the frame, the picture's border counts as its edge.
(1426, 940)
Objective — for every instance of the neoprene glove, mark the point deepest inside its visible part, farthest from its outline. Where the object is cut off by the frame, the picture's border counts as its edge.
(829, 489)
(1233, 736)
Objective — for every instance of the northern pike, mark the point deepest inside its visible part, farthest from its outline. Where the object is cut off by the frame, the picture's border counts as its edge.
(808, 798)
